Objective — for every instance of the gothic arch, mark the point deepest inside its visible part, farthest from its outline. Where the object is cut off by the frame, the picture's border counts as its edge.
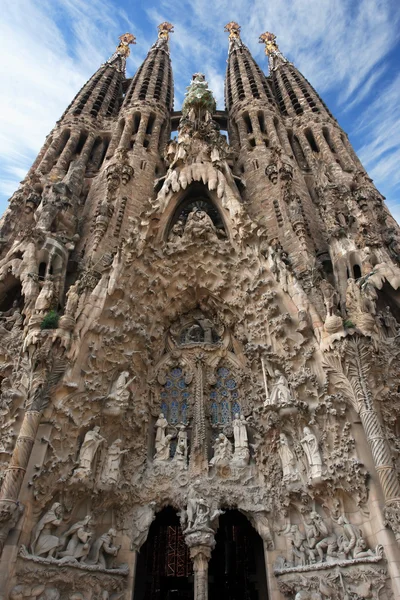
(195, 195)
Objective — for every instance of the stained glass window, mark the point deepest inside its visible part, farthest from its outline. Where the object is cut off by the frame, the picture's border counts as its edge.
(224, 398)
(175, 397)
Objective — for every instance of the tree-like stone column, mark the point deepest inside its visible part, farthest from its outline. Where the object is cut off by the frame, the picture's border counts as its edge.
(201, 544)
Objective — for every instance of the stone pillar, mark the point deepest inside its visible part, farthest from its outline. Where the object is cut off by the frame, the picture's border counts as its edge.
(127, 132)
(271, 131)
(142, 130)
(66, 155)
(200, 556)
(201, 543)
(198, 459)
(16, 470)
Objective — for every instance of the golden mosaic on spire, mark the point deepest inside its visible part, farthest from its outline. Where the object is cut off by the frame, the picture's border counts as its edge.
(164, 29)
(271, 47)
(124, 41)
(233, 29)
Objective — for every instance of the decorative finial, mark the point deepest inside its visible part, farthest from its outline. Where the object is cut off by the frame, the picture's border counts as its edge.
(164, 29)
(233, 29)
(272, 50)
(124, 41)
(271, 47)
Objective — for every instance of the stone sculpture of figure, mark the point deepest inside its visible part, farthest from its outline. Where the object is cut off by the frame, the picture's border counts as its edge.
(331, 297)
(288, 460)
(352, 542)
(72, 300)
(102, 549)
(241, 455)
(161, 426)
(163, 449)
(280, 392)
(182, 447)
(311, 450)
(119, 393)
(88, 450)
(78, 539)
(30, 290)
(176, 232)
(298, 550)
(222, 452)
(111, 469)
(197, 514)
(390, 322)
(43, 301)
(44, 542)
(200, 225)
(144, 517)
(315, 529)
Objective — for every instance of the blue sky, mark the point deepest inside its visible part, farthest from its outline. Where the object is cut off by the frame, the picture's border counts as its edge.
(348, 49)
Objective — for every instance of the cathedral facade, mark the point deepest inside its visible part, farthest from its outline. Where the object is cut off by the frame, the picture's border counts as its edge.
(199, 379)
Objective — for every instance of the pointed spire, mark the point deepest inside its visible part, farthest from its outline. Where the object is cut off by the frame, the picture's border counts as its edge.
(122, 51)
(275, 56)
(153, 79)
(233, 29)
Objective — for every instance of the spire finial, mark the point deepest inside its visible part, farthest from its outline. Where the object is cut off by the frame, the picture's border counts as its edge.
(122, 51)
(123, 46)
(233, 29)
(271, 49)
(164, 29)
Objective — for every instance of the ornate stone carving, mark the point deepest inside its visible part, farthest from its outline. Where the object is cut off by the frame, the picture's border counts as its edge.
(87, 453)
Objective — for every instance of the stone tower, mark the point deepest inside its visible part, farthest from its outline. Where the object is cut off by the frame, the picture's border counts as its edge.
(199, 341)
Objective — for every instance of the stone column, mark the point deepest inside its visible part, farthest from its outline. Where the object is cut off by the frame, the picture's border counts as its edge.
(200, 556)
(142, 130)
(16, 470)
(198, 459)
(125, 139)
(66, 155)
(357, 365)
(201, 543)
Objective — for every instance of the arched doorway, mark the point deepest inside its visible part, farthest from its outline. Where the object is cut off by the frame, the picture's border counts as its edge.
(237, 567)
(164, 569)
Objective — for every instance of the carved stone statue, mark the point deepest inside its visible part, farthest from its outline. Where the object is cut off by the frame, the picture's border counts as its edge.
(280, 392)
(161, 426)
(72, 300)
(44, 542)
(181, 451)
(119, 395)
(315, 529)
(389, 321)
(297, 539)
(163, 449)
(222, 452)
(288, 460)
(43, 301)
(102, 549)
(88, 450)
(200, 226)
(77, 541)
(241, 454)
(311, 450)
(110, 473)
(197, 513)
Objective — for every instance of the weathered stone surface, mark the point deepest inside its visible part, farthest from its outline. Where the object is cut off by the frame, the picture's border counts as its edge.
(202, 325)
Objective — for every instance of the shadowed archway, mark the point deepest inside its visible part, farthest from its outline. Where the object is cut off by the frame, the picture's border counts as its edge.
(237, 566)
(164, 569)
